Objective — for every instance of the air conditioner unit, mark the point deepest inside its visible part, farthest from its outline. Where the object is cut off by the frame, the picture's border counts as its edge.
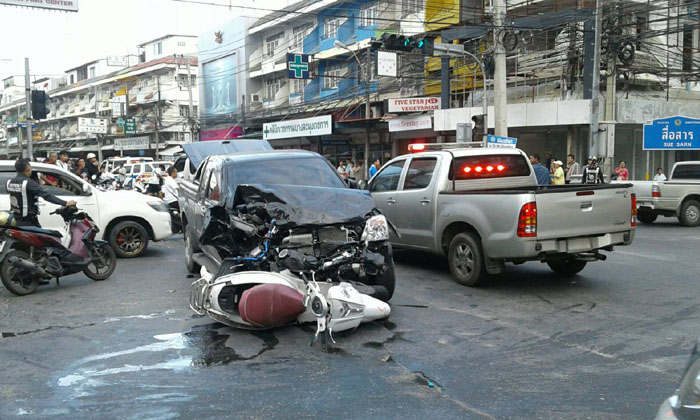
(254, 97)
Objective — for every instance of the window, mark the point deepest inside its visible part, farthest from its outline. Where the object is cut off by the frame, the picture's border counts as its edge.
(298, 86)
(368, 15)
(92, 72)
(272, 42)
(72, 79)
(502, 166)
(299, 33)
(272, 86)
(331, 76)
(214, 190)
(410, 7)
(306, 171)
(193, 80)
(686, 172)
(182, 80)
(143, 82)
(388, 178)
(419, 174)
(158, 48)
(181, 44)
(330, 27)
(184, 111)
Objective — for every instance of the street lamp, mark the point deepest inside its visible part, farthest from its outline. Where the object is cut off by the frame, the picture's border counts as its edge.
(368, 113)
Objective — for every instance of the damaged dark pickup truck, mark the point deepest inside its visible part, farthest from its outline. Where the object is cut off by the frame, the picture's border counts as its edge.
(236, 200)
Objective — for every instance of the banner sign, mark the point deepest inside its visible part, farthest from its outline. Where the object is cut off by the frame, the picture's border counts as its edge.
(64, 5)
(420, 122)
(298, 66)
(414, 104)
(386, 63)
(316, 126)
(92, 125)
(228, 133)
(132, 143)
(672, 133)
(500, 141)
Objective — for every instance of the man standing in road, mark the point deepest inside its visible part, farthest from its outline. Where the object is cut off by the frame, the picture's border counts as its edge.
(558, 174)
(660, 175)
(548, 161)
(572, 168)
(24, 193)
(541, 173)
(81, 170)
(621, 172)
(374, 168)
(593, 174)
(91, 167)
(63, 160)
(170, 195)
(341, 169)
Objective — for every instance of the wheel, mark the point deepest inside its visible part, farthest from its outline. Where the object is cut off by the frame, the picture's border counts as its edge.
(105, 261)
(15, 280)
(128, 239)
(192, 266)
(566, 267)
(646, 216)
(690, 213)
(388, 278)
(466, 259)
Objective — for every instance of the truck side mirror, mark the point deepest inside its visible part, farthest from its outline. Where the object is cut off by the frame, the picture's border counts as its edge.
(362, 185)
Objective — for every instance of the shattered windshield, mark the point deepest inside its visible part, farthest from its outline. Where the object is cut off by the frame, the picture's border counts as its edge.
(307, 171)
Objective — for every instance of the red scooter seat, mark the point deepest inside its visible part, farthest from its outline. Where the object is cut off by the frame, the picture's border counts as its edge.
(270, 305)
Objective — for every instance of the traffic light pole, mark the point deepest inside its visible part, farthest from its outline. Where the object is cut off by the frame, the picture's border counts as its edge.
(28, 97)
(500, 93)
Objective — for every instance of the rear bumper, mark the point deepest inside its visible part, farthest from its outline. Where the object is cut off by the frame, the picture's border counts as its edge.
(534, 249)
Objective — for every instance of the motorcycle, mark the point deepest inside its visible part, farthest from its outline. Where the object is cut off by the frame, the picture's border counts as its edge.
(29, 255)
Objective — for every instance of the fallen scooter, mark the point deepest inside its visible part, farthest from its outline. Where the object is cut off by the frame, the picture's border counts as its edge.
(30, 254)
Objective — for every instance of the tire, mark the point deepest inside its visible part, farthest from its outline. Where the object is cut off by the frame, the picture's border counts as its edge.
(690, 213)
(128, 239)
(567, 267)
(14, 279)
(192, 266)
(108, 262)
(466, 259)
(646, 216)
(388, 278)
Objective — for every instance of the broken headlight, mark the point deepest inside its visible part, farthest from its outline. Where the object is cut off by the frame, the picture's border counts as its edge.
(376, 229)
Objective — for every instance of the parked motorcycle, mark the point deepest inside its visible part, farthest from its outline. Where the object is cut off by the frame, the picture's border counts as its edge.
(30, 254)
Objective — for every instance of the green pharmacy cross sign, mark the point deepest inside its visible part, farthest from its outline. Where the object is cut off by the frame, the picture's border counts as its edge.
(298, 66)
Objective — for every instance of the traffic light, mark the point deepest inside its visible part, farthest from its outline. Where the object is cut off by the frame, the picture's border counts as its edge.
(426, 45)
(396, 42)
(39, 110)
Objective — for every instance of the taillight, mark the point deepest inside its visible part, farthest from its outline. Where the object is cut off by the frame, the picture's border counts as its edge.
(655, 191)
(416, 147)
(633, 221)
(527, 221)
(484, 169)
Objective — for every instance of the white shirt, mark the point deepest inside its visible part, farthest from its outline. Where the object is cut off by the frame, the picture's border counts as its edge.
(169, 189)
(155, 179)
(658, 177)
(62, 165)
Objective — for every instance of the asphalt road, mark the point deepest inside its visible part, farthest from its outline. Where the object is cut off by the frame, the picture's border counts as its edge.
(607, 344)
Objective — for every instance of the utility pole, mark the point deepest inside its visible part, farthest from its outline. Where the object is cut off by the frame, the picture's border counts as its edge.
(593, 138)
(499, 82)
(368, 110)
(607, 143)
(189, 92)
(158, 117)
(28, 97)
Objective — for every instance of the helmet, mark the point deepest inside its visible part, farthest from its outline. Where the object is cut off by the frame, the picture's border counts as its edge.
(593, 158)
(7, 219)
(91, 155)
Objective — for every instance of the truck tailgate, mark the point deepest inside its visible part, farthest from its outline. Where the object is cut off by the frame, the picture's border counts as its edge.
(583, 210)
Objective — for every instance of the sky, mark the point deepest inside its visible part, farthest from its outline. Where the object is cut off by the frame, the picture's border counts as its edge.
(55, 41)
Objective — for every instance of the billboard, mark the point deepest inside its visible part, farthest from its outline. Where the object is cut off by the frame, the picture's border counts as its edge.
(63, 5)
(220, 86)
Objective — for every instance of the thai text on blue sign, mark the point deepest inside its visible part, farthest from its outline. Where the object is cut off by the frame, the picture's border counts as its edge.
(672, 133)
(500, 141)
(298, 66)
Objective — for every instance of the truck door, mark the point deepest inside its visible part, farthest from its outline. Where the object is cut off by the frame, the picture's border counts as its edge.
(414, 203)
(383, 189)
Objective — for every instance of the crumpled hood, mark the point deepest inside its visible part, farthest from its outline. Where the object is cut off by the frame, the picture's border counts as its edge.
(305, 205)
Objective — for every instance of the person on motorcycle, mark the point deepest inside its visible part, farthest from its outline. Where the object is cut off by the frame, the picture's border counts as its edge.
(24, 193)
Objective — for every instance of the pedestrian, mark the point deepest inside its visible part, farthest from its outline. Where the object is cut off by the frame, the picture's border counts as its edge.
(541, 173)
(572, 167)
(593, 174)
(63, 160)
(660, 175)
(48, 179)
(341, 169)
(81, 170)
(170, 188)
(548, 161)
(374, 168)
(357, 170)
(558, 174)
(621, 173)
(92, 169)
(154, 182)
(350, 169)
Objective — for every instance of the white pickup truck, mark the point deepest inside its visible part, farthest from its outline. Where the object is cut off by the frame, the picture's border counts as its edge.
(482, 207)
(126, 219)
(679, 196)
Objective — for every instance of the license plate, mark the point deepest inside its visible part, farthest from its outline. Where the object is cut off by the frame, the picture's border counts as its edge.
(576, 245)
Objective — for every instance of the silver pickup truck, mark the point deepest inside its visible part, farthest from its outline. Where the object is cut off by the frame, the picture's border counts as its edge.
(679, 196)
(482, 207)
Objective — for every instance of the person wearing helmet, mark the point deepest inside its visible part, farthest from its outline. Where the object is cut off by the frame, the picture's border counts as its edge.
(592, 173)
(91, 167)
(24, 193)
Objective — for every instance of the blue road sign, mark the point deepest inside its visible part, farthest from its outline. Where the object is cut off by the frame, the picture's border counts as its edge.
(298, 66)
(672, 133)
(500, 141)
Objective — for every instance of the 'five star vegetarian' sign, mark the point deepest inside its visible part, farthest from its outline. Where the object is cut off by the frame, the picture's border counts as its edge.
(298, 66)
